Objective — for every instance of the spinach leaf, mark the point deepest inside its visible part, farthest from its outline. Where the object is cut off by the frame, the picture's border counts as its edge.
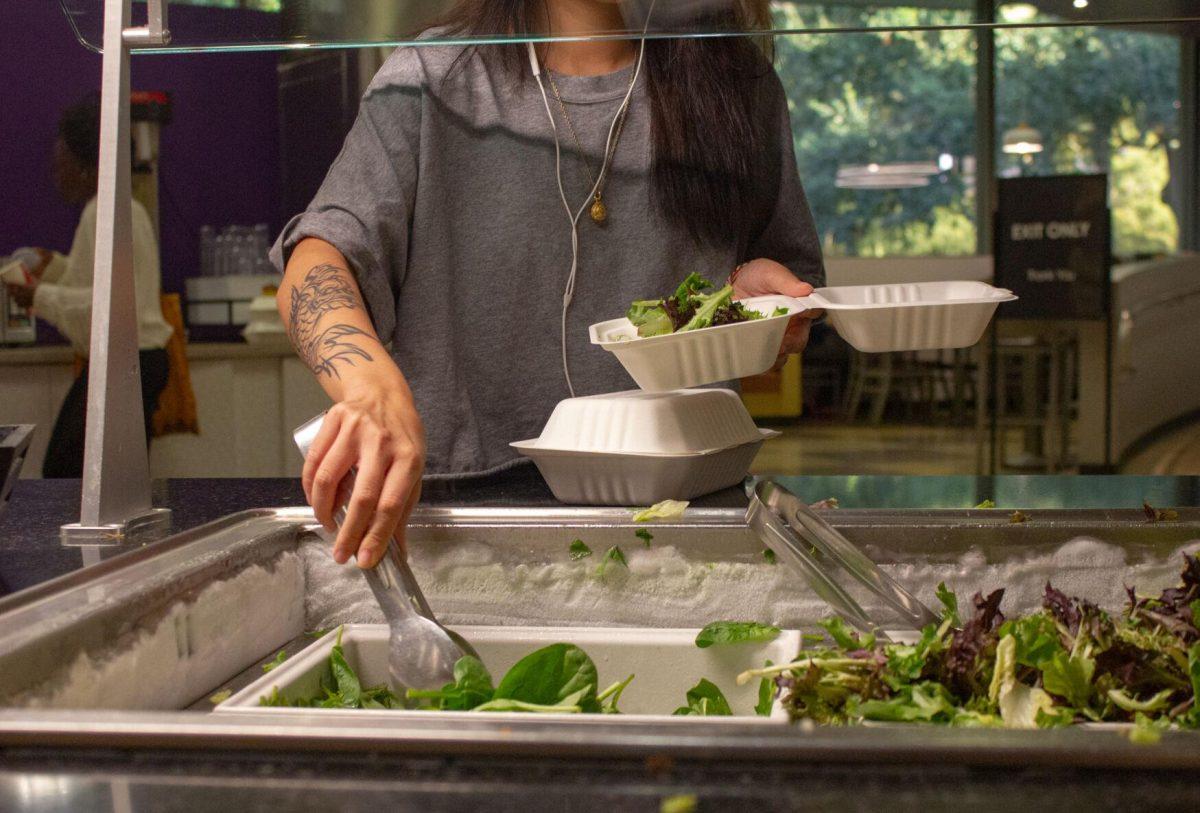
(766, 694)
(472, 686)
(567, 706)
(644, 535)
(579, 550)
(987, 504)
(705, 700)
(549, 676)
(769, 556)
(735, 632)
(613, 554)
(349, 690)
(613, 695)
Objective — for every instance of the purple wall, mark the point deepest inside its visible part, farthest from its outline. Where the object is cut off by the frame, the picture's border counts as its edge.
(219, 156)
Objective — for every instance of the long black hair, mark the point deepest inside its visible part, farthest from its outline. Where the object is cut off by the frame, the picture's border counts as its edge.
(708, 129)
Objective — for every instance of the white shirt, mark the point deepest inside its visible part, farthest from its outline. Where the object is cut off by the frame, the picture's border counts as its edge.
(64, 296)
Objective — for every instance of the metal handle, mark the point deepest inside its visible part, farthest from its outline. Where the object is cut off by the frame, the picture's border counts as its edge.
(825, 540)
(391, 580)
(783, 541)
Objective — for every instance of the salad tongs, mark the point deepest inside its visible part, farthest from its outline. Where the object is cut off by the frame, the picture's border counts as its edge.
(802, 538)
(421, 652)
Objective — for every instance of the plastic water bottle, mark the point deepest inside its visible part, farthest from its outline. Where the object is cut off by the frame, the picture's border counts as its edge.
(207, 251)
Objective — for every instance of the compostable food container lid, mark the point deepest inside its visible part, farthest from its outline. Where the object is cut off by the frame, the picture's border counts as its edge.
(678, 422)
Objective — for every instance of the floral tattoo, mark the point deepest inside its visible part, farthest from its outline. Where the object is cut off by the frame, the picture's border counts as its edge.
(325, 289)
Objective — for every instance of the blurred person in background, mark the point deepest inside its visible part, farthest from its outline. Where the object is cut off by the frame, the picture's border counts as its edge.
(60, 290)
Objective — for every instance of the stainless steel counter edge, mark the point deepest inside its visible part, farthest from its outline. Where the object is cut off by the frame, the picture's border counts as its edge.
(1077, 748)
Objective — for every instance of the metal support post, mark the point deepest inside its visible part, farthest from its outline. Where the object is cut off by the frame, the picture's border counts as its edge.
(116, 506)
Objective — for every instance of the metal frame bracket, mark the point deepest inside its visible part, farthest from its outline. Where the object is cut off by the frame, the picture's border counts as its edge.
(155, 32)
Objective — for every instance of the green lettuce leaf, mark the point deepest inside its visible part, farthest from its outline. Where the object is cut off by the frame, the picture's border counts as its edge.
(705, 699)
(551, 675)
(735, 632)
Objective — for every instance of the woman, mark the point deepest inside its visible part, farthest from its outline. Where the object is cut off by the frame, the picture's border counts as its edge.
(440, 231)
(61, 289)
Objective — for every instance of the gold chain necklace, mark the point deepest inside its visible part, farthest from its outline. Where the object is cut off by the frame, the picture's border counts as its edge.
(598, 211)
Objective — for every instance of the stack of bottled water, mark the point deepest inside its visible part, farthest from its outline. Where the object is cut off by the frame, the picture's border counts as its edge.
(235, 251)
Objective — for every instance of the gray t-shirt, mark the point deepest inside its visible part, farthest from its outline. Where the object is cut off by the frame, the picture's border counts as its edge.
(444, 202)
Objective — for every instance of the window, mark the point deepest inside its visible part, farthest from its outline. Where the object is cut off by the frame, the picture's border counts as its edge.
(1099, 100)
(884, 127)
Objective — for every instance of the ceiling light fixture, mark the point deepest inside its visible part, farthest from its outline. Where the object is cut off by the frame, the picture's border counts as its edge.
(896, 175)
(1018, 12)
(1080, 3)
(1022, 140)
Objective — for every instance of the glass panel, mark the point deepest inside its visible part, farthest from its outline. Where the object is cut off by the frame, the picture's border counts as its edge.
(883, 123)
(1098, 101)
(283, 24)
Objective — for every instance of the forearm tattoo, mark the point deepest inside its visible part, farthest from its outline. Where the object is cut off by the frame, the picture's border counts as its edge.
(325, 289)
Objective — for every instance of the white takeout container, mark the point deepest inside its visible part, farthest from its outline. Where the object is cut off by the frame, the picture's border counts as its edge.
(698, 357)
(639, 422)
(871, 318)
(603, 478)
(910, 316)
(635, 447)
(665, 664)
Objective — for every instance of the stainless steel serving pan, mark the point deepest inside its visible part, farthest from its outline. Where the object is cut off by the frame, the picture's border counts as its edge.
(47, 626)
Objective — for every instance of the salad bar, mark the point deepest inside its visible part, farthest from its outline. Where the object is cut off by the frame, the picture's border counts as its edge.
(203, 645)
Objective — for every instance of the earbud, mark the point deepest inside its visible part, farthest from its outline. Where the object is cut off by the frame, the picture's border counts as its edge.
(609, 148)
(533, 60)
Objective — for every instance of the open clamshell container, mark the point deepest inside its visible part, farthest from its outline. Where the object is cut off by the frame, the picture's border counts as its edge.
(665, 663)
(636, 447)
(698, 357)
(872, 318)
(910, 316)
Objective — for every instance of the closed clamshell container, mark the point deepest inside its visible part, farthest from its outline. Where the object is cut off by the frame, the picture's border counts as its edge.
(639, 422)
(636, 447)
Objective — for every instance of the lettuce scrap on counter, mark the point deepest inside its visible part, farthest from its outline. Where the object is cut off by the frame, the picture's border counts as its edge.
(1069, 662)
(695, 304)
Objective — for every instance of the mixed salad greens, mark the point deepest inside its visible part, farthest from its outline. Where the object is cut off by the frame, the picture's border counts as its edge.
(1070, 662)
(695, 304)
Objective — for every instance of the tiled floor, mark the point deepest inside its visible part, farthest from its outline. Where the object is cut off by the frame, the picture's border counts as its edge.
(1175, 452)
(839, 448)
(816, 447)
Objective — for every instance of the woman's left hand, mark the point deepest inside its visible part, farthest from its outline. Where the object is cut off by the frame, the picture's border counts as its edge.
(763, 277)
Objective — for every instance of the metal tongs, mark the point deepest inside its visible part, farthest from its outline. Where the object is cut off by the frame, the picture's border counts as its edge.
(804, 540)
(421, 652)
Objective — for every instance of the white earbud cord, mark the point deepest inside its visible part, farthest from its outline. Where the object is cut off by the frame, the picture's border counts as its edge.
(609, 151)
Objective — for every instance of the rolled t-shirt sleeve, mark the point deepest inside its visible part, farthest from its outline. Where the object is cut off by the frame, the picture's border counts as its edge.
(789, 234)
(364, 205)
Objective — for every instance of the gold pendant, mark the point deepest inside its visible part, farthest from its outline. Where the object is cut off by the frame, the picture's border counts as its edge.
(599, 211)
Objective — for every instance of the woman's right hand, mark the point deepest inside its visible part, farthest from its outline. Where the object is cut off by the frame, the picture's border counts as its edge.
(376, 430)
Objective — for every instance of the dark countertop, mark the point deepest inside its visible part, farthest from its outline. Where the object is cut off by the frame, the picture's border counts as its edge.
(30, 552)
